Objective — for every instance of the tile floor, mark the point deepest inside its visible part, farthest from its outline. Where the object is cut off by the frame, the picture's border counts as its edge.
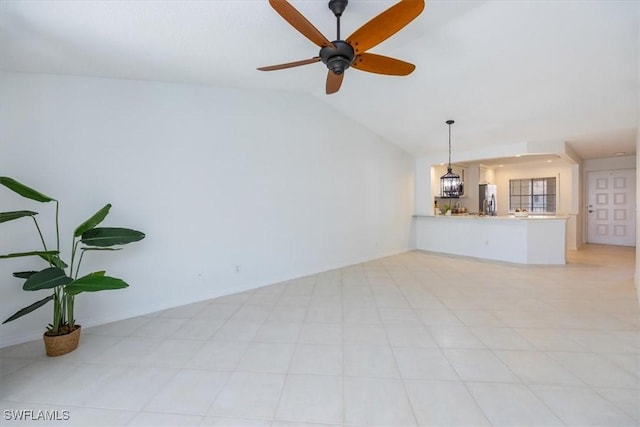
(413, 339)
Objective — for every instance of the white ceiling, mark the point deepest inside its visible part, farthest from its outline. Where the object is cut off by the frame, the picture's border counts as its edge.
(507, 71)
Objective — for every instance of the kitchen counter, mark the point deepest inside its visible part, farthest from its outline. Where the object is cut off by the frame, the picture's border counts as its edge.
(536, 239)
(509, 217)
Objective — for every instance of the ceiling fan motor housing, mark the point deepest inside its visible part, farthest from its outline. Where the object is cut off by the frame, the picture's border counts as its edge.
(337, 58)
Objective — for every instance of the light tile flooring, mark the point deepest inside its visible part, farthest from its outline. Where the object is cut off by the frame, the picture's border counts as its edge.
(412, 339)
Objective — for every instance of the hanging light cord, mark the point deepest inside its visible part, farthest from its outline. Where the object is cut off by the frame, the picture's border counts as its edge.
(449, 146)
(450, 122)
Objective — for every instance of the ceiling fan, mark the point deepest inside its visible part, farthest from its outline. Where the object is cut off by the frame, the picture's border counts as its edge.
(339, 54)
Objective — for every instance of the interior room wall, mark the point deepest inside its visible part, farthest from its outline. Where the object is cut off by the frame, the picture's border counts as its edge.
(565, 188)
(235, 189)
(609, 163)
(427, 185)
(560, 170)
(637, 279)
(467, 178)
(636, 276)
(578, 207)
(429, 169)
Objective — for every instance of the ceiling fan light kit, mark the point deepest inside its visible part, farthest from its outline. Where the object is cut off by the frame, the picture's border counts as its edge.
(339, 55)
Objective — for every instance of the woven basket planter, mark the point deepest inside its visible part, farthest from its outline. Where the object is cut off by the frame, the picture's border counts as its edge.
(62, 344)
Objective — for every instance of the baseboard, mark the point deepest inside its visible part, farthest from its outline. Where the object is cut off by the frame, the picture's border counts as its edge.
(7, 341)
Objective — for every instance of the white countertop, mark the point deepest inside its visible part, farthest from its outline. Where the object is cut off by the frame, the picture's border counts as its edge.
(487, 217)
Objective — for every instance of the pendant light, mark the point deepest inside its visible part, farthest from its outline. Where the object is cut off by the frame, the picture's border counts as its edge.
(450, 184)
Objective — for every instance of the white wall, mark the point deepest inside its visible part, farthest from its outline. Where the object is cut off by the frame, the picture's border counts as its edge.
(567, 200)
(275, 183)
(565, 188)
(609, 163)
(637, 273)
(427, 183)
(637, 279)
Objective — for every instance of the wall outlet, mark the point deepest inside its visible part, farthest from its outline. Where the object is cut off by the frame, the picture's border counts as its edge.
(237, 269)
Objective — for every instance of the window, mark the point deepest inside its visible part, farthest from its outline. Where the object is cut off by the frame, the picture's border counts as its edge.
(537, 195)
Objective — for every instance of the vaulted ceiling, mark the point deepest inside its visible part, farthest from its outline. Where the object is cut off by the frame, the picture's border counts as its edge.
(506, 71)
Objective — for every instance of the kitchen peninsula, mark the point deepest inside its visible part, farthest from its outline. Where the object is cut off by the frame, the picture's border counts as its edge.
(537, 239)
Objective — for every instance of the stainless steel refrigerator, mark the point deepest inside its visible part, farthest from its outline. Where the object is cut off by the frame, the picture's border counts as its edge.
(488, 199)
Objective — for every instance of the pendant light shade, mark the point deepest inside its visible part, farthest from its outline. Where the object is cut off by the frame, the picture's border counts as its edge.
(450, 183)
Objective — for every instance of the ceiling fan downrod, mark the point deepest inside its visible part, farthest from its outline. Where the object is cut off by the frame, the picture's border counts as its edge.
(337, 7)
(340, 55)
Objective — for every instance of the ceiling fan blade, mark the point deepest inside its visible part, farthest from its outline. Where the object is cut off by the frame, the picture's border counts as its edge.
(382, 65)
(290, 64)
(334, 81)
(299, 22)
(385, 25)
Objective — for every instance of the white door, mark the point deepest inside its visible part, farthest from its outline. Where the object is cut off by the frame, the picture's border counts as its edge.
(611, 210)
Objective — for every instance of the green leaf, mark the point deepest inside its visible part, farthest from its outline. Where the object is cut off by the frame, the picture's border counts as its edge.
(96, 219)
(54, 259)
(29, 309)
(95, 282)
(10, 216)
(33, 253)
(108, 236)
(24, 191)
(47, 279)
(24, 274)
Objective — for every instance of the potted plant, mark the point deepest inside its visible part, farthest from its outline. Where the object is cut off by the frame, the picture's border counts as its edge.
(63, 280)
